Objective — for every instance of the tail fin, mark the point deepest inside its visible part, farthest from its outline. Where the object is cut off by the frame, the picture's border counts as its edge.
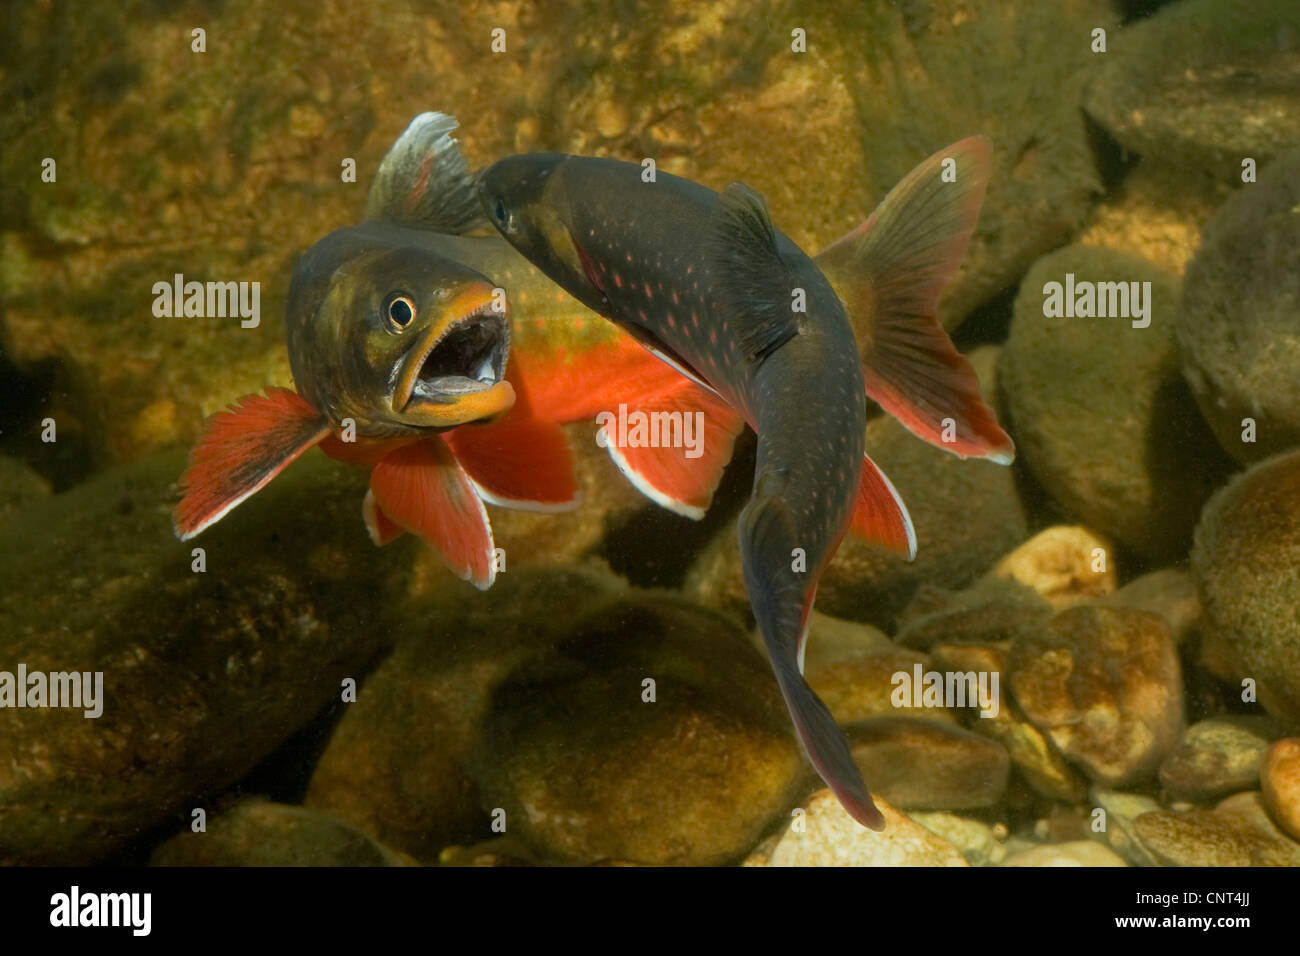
(424, 179)
(781, 602)
(890, 272)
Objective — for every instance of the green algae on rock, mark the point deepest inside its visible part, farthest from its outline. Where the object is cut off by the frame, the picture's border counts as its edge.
(257, 832)
(1100, 413)
(1247, 566)
(397, 764)
(1237, 324)
(204, 673)
(1204, 84)
(653, 734)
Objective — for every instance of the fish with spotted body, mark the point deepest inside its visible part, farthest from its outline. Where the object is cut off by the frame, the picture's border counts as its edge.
(705, 282)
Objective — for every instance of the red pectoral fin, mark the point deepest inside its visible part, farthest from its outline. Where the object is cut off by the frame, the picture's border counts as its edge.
(240, 450)
(691, 433)
(421, 488)
(880, 516)
(520, 461)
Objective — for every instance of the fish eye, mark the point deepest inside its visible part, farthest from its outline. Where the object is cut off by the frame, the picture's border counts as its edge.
(400, 311)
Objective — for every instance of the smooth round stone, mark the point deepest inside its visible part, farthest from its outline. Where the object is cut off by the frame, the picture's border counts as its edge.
(1101, 415)
(1065, 565)
(1238, 832)
(1280, 782)
(1075, 853)
(1217, 757)
(1247, 565)
(258, 833)
(1236, 328)
(1169, 592)
(824, 835)
(916, 763)
(654, 734)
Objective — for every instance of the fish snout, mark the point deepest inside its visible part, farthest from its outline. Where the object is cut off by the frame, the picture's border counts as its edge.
(455, 371)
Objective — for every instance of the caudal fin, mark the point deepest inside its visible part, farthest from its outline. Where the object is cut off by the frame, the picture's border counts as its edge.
(240, 450)
(782, 600)
(890, 272)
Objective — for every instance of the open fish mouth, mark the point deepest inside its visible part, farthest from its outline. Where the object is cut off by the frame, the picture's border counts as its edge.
(455, 372)
(469, 357)
(463, 357)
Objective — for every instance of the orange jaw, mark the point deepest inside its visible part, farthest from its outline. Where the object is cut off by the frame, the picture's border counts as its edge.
(454, 372)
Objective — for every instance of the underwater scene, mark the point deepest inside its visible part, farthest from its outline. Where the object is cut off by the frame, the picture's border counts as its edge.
(643, 433)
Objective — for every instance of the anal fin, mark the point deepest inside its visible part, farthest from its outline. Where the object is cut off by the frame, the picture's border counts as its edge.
(879, 515)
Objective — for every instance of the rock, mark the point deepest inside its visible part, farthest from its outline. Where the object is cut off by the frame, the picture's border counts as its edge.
(1075, 853)
(258, 833)
(824, 835)
(1157, 214)
(853, 668)
(1247, 566)
(1203, 84)
(1236, 327)
(1105, 685)
(1064, 565)
(1217, 757)
(979, 843)
(500, 851)
(993, 610)
(397, 764)
(1121, 813)
(144, 193)
(1100, 413)
(1238, 832)
(1280, 782)
(19, 486)
(956, 542)
(1041, 765)
(204, 674)
(917, 763)
(584, 767)
(1171, 593)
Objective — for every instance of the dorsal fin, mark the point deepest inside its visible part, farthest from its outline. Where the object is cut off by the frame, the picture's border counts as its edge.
(424, 180)
(752, 279)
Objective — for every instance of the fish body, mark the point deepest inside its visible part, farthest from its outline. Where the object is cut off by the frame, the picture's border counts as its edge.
(400, 354)
(445, 362)
(707, 283)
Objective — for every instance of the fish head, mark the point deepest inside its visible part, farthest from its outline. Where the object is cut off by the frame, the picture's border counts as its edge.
(527, 199)
(401, 340)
